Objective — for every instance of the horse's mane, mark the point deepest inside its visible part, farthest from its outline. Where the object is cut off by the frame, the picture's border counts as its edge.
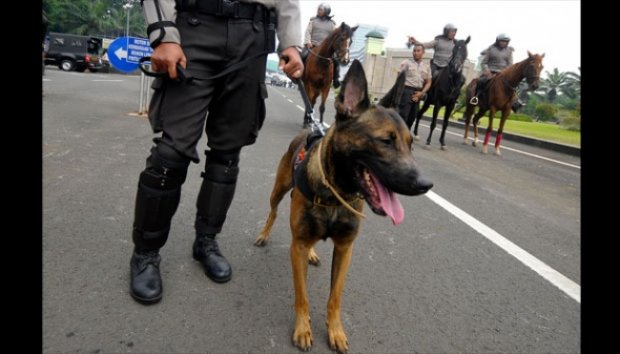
(509, 70)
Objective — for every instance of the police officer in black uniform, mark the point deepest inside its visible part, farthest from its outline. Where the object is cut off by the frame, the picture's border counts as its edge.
(227, 71)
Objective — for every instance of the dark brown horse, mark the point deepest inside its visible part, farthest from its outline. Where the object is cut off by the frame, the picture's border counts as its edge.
(319, 71)
(444, 92)
(499, 95)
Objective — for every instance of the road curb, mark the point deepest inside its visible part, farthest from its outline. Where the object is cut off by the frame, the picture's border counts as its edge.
(545, 144)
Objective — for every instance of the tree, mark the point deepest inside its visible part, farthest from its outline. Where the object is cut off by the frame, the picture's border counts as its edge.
(94, 17)
(555, 83)
(573, 84)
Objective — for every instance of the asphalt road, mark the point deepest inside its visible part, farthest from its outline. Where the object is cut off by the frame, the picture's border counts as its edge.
(433, 284)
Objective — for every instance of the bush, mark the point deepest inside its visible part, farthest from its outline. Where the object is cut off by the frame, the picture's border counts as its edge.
(530, 106)
(545, 112)
(572, 121)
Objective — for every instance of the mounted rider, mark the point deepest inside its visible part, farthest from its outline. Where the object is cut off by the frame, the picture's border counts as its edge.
(319, 28)
(443, 45)
(496, 58)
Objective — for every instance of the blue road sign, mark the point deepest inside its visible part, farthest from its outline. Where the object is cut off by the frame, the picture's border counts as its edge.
(124, 53)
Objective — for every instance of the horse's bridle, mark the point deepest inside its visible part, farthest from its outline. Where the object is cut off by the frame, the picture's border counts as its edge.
(330, 44)
(528, 70)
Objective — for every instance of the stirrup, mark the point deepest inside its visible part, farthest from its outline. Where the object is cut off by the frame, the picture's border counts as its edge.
(474, 101)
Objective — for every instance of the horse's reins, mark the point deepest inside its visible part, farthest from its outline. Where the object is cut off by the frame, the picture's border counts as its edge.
(330, 44)
(317, 126)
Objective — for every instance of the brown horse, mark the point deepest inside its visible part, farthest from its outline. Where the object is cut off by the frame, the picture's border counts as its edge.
(319, 72)
(499, 95)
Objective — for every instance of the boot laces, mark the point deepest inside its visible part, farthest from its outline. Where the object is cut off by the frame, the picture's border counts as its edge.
(211, 246)
(144, 258)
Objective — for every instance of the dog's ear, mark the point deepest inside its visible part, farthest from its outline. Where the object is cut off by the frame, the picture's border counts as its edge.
(353, 97)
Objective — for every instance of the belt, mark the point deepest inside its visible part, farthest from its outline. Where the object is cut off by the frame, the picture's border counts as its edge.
(224, 8)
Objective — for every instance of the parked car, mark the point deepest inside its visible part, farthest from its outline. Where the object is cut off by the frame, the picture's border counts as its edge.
(74, 52)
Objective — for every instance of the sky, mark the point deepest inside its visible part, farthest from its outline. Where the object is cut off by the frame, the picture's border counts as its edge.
(550, 27)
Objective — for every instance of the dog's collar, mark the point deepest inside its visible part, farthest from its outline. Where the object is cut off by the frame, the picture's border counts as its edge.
(331, 188)
(300, 180)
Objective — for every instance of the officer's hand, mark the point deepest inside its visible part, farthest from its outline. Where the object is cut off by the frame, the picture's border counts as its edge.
(165, 58)
(290, 63)
(411, 39)
(309, 45)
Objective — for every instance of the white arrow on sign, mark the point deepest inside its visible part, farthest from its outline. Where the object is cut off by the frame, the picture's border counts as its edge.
(121, 54)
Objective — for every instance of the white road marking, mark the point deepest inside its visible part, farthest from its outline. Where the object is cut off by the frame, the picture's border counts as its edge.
(568, 286)
(301, 108)
(520, 151)
(291, 101)
(109, 80)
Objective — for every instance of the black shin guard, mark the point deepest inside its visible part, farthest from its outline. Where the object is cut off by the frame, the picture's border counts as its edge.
(216, 192)
(158, 196)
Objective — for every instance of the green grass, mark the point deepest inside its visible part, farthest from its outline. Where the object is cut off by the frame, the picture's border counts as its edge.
(539, 130)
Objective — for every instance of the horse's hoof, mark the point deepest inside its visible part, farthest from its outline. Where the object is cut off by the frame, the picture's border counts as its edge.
(474, 143)
(443, 147)
(416, 137)
(497, 152)
(485, 149)
(464, 141)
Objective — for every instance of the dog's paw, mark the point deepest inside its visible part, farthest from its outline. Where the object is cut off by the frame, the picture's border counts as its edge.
(313, 258)
(338, 340)
(302, 337)
(261, 240)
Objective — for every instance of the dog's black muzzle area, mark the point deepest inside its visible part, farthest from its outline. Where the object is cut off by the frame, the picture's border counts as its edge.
(405, 180)
(421, 185)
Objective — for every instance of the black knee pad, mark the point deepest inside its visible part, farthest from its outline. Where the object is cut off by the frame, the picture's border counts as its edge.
(166, 169)
(222, 166)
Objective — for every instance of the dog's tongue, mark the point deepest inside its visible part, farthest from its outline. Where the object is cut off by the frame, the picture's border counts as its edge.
(389, 202)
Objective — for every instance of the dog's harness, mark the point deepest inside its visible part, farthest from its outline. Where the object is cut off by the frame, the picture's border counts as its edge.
(300, 178)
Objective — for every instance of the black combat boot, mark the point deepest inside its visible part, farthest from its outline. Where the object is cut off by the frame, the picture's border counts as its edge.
(157, 199)
(145, 278)
(207, 252)
(216, 194)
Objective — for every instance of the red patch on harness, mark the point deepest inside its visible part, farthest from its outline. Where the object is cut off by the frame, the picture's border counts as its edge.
(302, 154)
(299, 158)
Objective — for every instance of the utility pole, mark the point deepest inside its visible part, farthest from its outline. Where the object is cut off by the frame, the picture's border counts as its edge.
(128, 7)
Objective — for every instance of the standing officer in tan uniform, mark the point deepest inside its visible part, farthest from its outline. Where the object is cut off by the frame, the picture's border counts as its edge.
(417, 83)
(223, 45)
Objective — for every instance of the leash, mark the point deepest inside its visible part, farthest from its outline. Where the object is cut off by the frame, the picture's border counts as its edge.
(331, 188)
(316, 126)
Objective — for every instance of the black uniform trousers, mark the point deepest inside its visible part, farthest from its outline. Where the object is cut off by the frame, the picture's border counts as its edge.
(234, 103)
(407, 108)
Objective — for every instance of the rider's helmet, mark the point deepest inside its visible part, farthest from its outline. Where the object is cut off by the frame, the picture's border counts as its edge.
(447, 28)
(325, 7)
(502, 37)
